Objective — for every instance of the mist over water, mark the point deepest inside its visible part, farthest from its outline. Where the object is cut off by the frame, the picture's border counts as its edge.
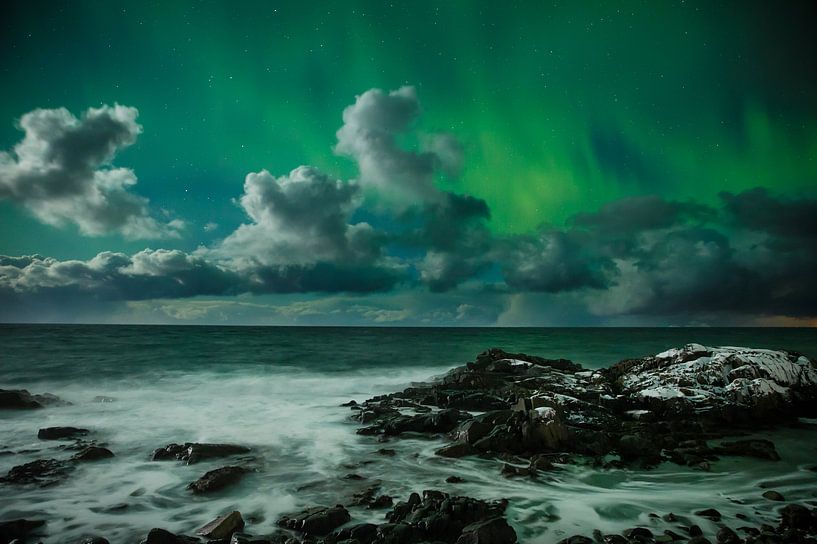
(277, 390)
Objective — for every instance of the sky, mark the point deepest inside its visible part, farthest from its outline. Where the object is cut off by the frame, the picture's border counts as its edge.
(459, 163)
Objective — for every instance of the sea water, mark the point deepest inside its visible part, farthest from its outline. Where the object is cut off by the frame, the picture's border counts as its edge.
(278, 391)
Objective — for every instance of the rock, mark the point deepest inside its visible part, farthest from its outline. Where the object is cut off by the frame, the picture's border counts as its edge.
(193, 452)
(92, 453)
(364, 533)
(18, 529)
(709, 513)
(387, 452)
(456, 449)
(773, 496)
(383, 501)
(316, 521)
(796, 516)
(576, 539)
(638, 533)
(45, 472)
(492, 531)
(698, 540)
(223, 526)
(454, 480)
(217, 479)
(160, 536)
(727, 536)
(95, 540)
(761, 449)
(58, 433)
(18, 399)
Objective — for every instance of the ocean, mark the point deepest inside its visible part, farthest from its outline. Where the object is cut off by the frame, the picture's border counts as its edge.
(278, 391)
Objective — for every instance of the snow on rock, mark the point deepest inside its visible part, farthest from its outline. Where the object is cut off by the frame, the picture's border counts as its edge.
(706, 378)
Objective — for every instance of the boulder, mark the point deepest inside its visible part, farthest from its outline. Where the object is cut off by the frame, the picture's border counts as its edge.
(161, 536)
(18, 529)
(59, 433)
(492, 531)
(92, 453)
(223, 526)
(316, 521)
(18, 399)
(217, 479)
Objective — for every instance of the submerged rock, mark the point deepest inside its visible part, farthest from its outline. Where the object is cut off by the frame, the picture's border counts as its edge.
(193, 452)
(44, 472)
(92, 453)
(217, 479)
(58, 433)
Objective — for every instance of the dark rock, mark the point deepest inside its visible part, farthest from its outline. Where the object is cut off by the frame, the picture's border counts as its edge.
(773, 496)
(193, 452)
(383, 501)
(698, 540)
(58, 433)
(694, 530)
(456, 449)
(18, 399)
(709, 513)
(492, 531)
(637, 532)
(18, 529)
(217, 479)
(797, 516)
(92, 453)
(387, 452)
(576, 539)
(223, 526)
(761, 449)
(454, 480)
(364, 533)
(44, 472)
(160, 536)
(316, 521)
(727, 536)
(95, 540)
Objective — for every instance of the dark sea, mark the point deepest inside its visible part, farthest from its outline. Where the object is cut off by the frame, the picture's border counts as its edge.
(278, 390)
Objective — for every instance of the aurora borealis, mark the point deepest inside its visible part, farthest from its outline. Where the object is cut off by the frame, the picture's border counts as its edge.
(542, 163)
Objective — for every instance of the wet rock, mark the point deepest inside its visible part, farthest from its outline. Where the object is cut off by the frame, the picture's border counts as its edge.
(364, 533)
(761, 449)
(709, 513)
(18, 399)
(638, 533)
(18, 529)
(727, 536)
(492, 531)
(576, 539)
(382, 501)
(439, 422)
(797, 516)
(456, 449)
(44, 472)
(92, 453)
(217, 479)
(387, 452)
(95, 540)
(161, 536)
(59, 433)
(193, 452)
(316, 521)
(773, 496)
(223, 526)
(454, 480)
(699, 540)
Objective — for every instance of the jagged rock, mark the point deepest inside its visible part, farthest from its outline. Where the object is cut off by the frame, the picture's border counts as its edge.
(193, 452)
(316, 521)
(58, 433)
(18, 529)
(217, 479)
(92, 453)
(45, 472)
(223, 526)
(161, 536)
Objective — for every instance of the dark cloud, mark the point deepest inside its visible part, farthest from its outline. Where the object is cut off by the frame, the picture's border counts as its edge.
(758, 210)
(639, 213)
(60, 172)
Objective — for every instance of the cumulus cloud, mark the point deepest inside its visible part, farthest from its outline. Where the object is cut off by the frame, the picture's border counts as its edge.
(370, 132)
(60, 171)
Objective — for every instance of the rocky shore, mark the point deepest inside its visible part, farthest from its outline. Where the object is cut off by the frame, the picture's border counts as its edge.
(534, 416)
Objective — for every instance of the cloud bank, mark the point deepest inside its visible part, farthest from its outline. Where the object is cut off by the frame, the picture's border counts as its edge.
(749, 254)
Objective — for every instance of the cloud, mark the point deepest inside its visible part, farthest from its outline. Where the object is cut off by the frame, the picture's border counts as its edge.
(758, 210)
(60, 171)
(370, 132)
(639, 213)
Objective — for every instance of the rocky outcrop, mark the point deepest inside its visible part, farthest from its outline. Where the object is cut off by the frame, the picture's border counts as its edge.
(192, 452)
(21, 399)
(667, 407)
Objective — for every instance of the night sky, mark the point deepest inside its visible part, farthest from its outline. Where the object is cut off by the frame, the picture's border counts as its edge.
(409, 163)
